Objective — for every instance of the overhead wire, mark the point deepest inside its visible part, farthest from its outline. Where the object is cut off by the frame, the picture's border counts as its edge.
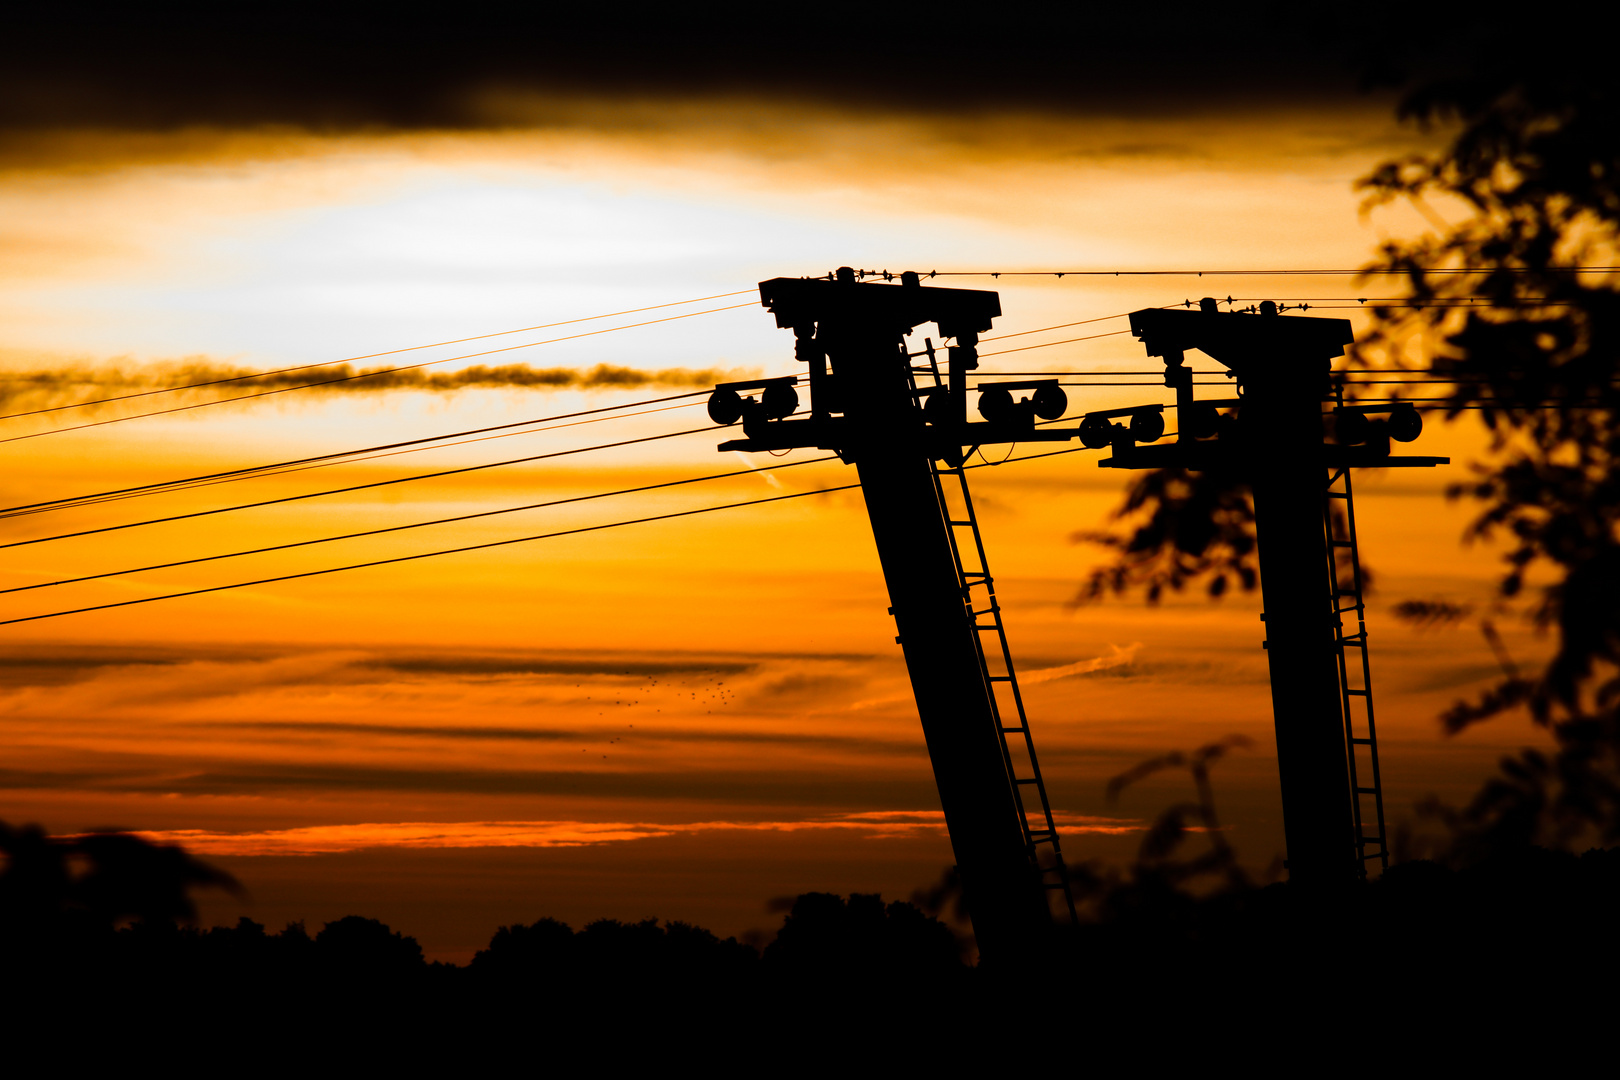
(464, 548)
(1155, 373)
(1059, 326)
(530, 424)
(1484, 300)
(424, 555)
(471, 547)
(462, 442)
(367, 356)
(415, 525)
(353, 487)
(337, 457)
(363, 375)
(1049, 344)
(1313, 272)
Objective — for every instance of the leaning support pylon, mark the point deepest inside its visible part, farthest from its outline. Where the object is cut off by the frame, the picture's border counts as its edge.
(1273, 438)
(865, 405)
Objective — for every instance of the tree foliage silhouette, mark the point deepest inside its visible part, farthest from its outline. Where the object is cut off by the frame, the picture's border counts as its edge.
(51, 885)
(1186, 526)
(1534, 165)
(1529, 345)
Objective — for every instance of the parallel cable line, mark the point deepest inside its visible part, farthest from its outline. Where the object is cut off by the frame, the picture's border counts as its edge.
(1459, 305)
(1043, 329)
(1049, 344)
(1352, 372)
(498, 543)
(182, 484)
(354, 487)
(415, 525)
(1149, 382)
(443, 445)
(1370, 271)
(424, 555)
(1084, 374)
(368, 356)
(366, 374)
(288, 471)
(1484, 301)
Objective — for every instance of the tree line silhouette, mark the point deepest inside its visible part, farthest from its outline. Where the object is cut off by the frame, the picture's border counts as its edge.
(1517, 300)
(1488, 928)
(1180, 939)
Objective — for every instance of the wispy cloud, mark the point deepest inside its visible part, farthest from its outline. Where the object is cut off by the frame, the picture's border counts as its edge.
(55, 387)
(334, 839)
(865, 743)
(1117, 657)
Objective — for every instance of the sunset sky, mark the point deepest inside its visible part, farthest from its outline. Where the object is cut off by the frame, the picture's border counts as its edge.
(684, 718)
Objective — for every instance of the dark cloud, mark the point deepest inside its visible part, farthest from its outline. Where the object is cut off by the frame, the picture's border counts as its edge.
(55, 388)
(876, 790)
(907, 748)
(358, 65)
(25, 665)
(46, 665)
(49, 780)
(800, 687)
(544, 665)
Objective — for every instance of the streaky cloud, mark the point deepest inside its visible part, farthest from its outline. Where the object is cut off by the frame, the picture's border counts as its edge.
(336, 839)
(53, 388)
(644, 736)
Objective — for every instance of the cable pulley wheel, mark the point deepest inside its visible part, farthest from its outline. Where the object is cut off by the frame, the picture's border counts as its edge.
(725, 407)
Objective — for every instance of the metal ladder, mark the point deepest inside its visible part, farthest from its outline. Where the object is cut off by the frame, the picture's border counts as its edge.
(1362, 750)
(1001, 679)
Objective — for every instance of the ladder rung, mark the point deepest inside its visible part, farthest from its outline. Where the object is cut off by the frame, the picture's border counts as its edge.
(1028, 780)
(1342, 543)
(960, 524)
(1361, 742)
(1013, 730)
(1000, 678)
(1355, 693)
(1366, 791)
(1337, 495)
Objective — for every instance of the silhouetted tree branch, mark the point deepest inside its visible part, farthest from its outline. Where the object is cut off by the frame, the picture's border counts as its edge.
(1164, 839)
(1530, 344)
(1504, 312)
(1192, 525)
(52, 884)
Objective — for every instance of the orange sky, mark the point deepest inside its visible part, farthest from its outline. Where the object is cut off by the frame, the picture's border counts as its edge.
(684, 718)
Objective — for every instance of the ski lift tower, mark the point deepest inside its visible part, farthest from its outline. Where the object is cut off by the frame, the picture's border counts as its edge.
(1274, 438)
(904, 428)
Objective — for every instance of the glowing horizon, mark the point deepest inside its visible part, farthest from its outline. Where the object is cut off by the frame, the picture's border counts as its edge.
(485, 701)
